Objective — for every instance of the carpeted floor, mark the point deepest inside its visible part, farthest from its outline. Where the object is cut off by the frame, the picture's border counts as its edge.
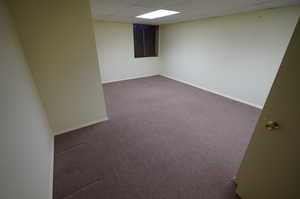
(164, 140)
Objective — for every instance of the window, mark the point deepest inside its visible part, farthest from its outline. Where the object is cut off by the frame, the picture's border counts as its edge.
(145, 40)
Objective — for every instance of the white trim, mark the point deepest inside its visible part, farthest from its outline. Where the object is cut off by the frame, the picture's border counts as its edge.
(80, 126)
(51, 167)
(215, 92)
(129, 78)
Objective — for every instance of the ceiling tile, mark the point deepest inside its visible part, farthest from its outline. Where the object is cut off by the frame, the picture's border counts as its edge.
(126, 10)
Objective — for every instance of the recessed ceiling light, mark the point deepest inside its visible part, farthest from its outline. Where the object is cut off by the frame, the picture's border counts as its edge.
(157, 14)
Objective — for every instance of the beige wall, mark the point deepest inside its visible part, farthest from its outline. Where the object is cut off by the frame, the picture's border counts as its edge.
(236, 56)
(59, 44)
(116, 53)
(26, 142)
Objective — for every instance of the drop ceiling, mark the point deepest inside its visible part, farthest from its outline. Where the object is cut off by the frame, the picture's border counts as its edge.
(126, 10)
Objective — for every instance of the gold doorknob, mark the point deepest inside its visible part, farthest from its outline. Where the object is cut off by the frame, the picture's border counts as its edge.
(271, 125)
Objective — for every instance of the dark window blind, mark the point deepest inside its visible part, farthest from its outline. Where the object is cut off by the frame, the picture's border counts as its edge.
(145, 40)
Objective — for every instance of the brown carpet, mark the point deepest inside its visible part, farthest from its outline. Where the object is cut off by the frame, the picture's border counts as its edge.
(164, 140)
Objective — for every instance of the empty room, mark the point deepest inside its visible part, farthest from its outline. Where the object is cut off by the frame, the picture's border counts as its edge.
(161, 99)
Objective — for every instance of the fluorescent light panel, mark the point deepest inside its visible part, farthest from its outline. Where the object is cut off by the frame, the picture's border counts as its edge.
(157, 14)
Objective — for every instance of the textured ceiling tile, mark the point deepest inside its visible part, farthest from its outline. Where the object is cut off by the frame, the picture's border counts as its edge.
(127, 10)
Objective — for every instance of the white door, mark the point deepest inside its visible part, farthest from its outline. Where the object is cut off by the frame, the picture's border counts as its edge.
(271, 166)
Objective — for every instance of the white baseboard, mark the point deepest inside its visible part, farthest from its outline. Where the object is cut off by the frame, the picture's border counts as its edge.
(215, 92)
(130, 78)
(80, 126)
